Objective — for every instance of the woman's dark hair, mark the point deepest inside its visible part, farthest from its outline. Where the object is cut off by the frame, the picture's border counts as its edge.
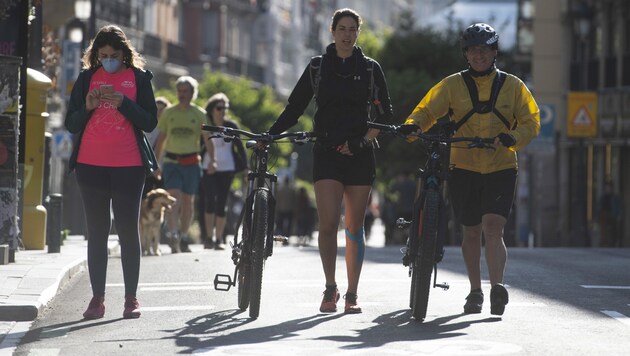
(113, 36)
(214, 101)
(341, 13)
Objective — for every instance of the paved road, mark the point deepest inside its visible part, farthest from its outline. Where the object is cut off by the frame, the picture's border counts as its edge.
(562, 302)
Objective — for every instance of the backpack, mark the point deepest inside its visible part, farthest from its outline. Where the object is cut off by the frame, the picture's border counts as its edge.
(483, 107)
(373, 101)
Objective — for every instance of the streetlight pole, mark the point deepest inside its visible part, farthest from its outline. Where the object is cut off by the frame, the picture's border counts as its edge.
(582, 25)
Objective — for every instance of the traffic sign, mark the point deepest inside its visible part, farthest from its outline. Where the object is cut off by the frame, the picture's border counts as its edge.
(582, 114)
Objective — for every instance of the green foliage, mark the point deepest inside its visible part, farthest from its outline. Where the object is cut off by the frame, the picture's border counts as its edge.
(370, 42)
(413, 62)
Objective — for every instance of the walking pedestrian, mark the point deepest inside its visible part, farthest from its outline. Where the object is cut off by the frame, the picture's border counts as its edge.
(111, 103)
(228, 159)
(485, 102)
(285, 206)
(179, 142)
(343, 82)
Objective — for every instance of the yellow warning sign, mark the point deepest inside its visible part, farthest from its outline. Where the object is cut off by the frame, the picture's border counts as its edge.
(582, 114)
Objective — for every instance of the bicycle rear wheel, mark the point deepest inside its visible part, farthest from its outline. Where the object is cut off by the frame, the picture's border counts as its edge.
(259, 237)
(245, 265)
(425, 259)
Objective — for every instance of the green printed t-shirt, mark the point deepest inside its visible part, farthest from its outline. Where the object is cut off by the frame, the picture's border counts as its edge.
(182, 128)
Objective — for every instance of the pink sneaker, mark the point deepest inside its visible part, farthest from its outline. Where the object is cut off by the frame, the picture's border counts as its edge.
(132, 308)
(96, 309)
(351, 304)
(329, 302)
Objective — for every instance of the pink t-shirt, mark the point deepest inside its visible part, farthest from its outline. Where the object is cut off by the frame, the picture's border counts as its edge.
(109, 139)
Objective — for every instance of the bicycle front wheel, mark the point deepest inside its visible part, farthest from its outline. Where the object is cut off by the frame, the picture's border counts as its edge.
(245, 264)
(425, 259)
(259, 238)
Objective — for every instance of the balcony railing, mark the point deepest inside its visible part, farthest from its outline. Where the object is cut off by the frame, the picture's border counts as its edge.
(176, 54)
(152, 46)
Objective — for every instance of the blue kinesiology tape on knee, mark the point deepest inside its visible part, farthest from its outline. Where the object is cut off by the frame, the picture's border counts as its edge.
(358, 238)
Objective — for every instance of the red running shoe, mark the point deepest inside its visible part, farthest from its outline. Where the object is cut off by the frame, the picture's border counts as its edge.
(96, 309)
(329, 302)
(132, 308)
(351, 304)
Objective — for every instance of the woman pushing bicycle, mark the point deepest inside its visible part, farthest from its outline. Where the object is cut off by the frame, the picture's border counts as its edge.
(482, 101)
(346, 85)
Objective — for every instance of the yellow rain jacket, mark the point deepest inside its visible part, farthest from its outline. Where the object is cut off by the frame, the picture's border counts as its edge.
(515, 102)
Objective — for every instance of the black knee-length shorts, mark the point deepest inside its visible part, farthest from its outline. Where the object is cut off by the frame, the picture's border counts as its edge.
(358, 169)
(474, 194)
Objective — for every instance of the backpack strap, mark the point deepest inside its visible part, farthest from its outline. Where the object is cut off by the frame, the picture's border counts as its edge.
(483, 107)
(316, 73)
(373, 91)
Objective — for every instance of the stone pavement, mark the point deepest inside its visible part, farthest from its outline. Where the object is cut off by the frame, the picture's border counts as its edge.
(30, 283)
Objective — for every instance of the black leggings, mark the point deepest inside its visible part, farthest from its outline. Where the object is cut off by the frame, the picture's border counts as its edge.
(122, 188)
(216, 188)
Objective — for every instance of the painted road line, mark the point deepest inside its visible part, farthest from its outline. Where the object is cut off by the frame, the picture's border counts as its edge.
(55, 332)
(178, 308)
(164, 284)
(149, 289)
(618, 316)
(604, 287)
(13, 336)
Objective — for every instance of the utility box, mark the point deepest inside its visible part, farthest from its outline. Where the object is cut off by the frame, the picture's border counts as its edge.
(34, 213)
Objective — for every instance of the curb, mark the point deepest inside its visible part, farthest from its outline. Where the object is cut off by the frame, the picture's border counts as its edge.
(29, 311)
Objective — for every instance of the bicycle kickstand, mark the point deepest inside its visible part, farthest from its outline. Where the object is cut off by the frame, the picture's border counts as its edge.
(442, 285)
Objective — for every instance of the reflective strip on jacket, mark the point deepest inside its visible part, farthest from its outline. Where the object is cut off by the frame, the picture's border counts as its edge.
(515, 102)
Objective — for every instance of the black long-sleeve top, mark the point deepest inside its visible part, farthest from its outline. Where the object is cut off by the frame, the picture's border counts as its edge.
(342, 98)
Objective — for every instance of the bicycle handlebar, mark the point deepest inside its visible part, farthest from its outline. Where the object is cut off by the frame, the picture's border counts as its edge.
(228, 132)
(473, 142)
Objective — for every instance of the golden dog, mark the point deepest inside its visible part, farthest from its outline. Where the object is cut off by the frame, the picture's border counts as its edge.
(152, 211)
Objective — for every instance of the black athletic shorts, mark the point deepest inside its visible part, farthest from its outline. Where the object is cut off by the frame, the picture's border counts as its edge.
(358, 169)
(474, 194)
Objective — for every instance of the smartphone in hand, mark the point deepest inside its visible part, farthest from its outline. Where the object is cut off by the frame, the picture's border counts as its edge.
(107, 89)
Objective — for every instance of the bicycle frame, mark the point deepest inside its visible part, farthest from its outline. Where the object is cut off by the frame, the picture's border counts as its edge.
(257, 218)
(425, 244)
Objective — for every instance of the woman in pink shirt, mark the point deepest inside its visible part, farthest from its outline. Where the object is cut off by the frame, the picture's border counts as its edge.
(111, 104)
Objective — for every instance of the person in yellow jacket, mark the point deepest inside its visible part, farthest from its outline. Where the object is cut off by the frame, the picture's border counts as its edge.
(482, 101)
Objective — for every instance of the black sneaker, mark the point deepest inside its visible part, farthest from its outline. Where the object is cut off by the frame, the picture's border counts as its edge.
(498, 299)
(183, 246)
(474, 301)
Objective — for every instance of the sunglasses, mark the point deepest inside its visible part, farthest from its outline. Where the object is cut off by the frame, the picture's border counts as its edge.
(220, 108)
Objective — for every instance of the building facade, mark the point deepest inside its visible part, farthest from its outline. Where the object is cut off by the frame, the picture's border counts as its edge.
(581, 73)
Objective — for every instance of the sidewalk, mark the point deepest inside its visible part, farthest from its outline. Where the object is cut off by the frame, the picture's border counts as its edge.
(30, 283)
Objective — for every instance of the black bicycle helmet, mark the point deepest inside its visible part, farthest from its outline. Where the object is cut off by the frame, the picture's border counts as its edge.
(479, 34)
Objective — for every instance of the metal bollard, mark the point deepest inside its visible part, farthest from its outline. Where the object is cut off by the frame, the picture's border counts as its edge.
(53, 229)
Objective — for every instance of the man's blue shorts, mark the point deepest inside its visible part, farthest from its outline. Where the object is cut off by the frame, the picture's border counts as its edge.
(184, 178)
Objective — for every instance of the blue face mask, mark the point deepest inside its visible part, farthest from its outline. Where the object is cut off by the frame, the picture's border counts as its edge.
(111, 65)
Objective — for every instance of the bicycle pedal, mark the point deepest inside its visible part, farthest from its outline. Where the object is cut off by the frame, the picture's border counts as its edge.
(222, 282)
(280, 238)
(444, 285)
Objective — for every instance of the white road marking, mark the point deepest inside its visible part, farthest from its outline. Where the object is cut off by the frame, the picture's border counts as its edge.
(604, 287)
(618, 316)
(178, 308)
(176, 288)
(164, 284)
(16, 331)
(55, 332)
(44, 352)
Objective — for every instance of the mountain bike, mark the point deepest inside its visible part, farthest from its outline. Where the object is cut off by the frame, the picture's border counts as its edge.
(427, 229)
(257, 217)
